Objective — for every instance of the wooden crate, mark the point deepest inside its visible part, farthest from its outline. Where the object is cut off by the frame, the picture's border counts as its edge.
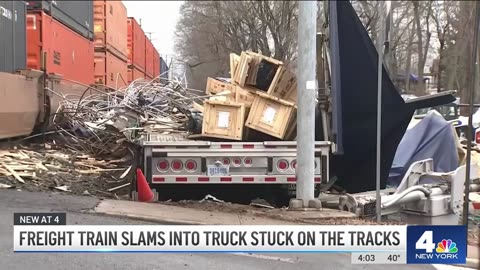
(271, 115)
(234, 60)
(252, 71)
(286, 87)
(216, 86)
(254, 68)
(223, 120)
(241, 71)
(245, 95)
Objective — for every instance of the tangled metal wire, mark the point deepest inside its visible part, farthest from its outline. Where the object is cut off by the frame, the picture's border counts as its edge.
(104, 123)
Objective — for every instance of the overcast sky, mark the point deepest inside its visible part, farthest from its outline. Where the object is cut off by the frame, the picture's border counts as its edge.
(158, 17)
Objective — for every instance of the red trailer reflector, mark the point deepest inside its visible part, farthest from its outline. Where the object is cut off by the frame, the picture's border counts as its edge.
(282, 165)
(318, 179)
(270, 179)
(291, 179)
(163, 165)
(248, 179)
(203, 179)
(225, 179)
(237, 162)
(226, 146)
(181, 179)
(191, 165)
(177, 165)
(248, 146)
(158, 179)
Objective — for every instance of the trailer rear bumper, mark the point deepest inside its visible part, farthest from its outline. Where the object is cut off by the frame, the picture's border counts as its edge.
(190, 162)
(234, 179)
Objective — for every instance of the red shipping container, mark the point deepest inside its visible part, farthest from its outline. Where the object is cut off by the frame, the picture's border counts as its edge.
(110, 70)
(134, 73)
(110, 26)
(156, 63)
(136, 44)
(149, 57)
(68, 53)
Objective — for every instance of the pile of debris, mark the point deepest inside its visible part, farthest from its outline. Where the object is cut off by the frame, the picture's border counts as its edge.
(260, 95)
(41, 167)
(94, 131)
(104, 123)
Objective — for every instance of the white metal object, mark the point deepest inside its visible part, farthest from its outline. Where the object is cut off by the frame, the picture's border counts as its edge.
(439, 203)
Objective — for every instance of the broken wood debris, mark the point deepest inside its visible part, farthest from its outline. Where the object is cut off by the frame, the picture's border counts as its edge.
(57, 169)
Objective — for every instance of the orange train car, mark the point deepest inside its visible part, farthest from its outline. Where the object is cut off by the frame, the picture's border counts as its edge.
(68, 53)
(136, 45)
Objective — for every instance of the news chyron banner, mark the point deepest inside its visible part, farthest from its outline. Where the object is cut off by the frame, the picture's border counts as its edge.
(380, 244)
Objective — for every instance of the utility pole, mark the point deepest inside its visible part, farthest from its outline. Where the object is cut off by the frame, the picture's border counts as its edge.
(387, 58)
(380, 44)
(307, 24)
(473, 84)
(149, 35)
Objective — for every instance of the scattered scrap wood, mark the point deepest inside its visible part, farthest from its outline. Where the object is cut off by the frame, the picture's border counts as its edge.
(118, 187)
(63, 188)
(12, 171)
(62, 169)
(4, 186)
(125, 173)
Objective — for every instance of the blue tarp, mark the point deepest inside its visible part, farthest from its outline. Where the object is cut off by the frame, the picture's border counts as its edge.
(433, 138)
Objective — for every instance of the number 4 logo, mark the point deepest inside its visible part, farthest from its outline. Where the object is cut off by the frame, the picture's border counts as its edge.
(426, 242)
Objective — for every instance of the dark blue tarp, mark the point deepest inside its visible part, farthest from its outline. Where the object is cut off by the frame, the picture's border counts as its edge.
(163, 69)
(434, 138)
(354, 104)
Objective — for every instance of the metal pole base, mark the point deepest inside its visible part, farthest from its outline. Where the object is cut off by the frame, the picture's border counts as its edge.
(298, 204)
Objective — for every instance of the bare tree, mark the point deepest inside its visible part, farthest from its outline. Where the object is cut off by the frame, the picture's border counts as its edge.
(411, 35)
(368, 13)
(422, 45)
(444, 11)
(209, 30)
(463, 47)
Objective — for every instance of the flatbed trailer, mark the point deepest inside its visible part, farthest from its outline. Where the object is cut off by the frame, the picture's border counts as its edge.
(167, 161)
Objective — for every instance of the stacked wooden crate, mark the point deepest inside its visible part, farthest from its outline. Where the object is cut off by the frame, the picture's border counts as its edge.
(261, 94)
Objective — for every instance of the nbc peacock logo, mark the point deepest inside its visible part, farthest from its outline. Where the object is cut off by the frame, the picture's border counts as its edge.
(446, 246)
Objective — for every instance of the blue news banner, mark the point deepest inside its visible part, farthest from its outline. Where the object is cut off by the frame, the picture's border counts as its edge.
(436, 244)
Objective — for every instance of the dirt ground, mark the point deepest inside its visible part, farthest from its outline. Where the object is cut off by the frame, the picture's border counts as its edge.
(279, 214)
(285, 215)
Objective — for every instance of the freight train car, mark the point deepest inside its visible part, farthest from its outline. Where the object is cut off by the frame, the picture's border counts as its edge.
(76, 15)
(67, 53)
(13, 33)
